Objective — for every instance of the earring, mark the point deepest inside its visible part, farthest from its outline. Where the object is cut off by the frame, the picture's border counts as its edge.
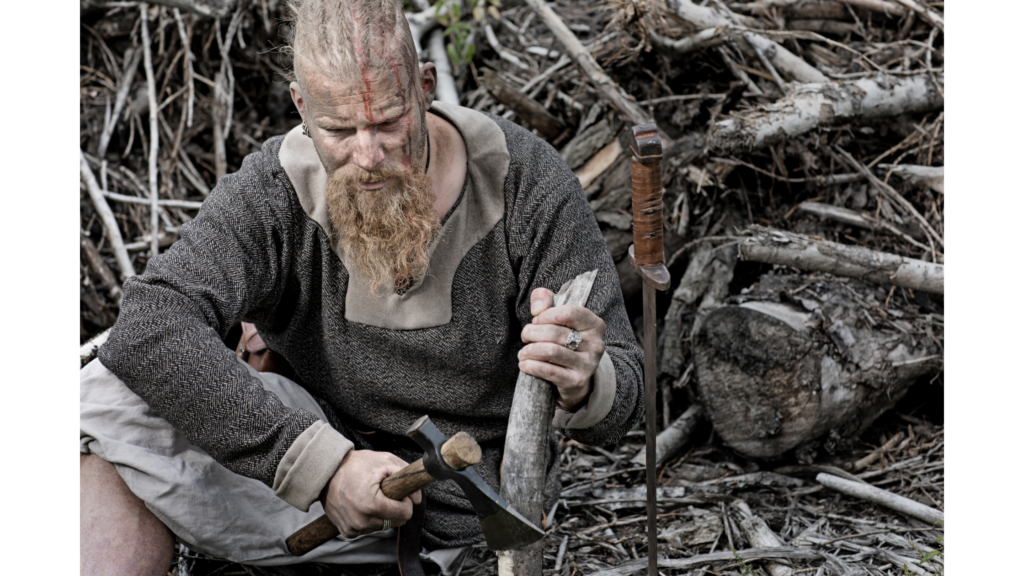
(305, 129)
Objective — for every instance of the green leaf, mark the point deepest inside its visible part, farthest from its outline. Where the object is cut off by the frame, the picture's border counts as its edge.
(453, 56)
(470, 52)
(929, 555)
(456, 12)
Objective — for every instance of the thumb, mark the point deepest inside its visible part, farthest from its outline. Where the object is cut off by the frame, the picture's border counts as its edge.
(540, 300)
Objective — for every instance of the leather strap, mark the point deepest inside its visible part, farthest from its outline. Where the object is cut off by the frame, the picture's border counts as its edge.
(409, 563)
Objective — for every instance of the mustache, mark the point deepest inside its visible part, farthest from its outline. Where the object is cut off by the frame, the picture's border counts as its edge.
(375, 175)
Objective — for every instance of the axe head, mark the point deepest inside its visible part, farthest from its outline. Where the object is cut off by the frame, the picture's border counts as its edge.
(504, 528)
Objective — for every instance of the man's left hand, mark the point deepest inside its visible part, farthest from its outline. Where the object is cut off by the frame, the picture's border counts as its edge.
(546, 355)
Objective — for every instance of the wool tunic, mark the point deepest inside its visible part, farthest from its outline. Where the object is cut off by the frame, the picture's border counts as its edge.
(263, 250)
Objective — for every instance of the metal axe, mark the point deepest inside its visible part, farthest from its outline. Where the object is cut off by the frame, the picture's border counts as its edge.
(444, 458)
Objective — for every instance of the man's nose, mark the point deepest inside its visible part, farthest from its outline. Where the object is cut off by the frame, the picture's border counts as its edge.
(368, 153)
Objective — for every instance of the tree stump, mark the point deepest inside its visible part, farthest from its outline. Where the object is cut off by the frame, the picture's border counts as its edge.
(799, 360)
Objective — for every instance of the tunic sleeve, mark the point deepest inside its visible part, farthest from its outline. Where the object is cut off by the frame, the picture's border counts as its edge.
(167, 345)
(553, 237)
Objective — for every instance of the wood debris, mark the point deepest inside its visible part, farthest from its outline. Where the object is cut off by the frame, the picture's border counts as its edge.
(813, 119)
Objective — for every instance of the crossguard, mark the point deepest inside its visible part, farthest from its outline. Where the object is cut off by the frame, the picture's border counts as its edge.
(648, 251)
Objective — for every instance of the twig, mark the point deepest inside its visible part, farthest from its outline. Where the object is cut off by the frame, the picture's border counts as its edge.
(605, 86)
(187, 65)
(738, 73)
(168, 203)
(883, 497)
(124, 262)
(892, 194)
(154, 132)
(131, 63)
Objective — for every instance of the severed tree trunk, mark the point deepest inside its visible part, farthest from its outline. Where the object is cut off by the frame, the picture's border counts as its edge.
(800, 360)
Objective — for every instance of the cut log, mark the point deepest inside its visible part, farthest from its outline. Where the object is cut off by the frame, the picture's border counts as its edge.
(527, 108)
(799, 251)
(797, 359)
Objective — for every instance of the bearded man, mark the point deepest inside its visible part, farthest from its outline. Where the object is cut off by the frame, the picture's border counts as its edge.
(397, 252)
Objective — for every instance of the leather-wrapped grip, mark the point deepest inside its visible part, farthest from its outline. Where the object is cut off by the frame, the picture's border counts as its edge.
(648, 229)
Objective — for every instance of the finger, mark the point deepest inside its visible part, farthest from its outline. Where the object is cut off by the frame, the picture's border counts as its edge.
(540, 300)
(563, 378)
(576, 317)
(384, 507)
(417, 497)
(554, 354)
(545, 333)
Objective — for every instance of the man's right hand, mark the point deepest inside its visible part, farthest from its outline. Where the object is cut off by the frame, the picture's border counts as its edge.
(355, 503)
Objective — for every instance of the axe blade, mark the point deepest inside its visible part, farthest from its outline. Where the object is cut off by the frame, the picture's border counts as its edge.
(504, 528)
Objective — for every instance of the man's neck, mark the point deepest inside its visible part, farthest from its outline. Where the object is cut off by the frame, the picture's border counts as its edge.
(447, 172)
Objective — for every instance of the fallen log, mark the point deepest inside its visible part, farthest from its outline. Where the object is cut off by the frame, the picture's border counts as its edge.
(799, 251)
(813, 105)
(798, 361)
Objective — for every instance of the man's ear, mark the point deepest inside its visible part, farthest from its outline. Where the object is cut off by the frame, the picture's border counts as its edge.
(297, 98)
(428, 82)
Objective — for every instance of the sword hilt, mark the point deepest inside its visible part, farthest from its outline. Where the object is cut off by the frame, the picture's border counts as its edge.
(648, 250)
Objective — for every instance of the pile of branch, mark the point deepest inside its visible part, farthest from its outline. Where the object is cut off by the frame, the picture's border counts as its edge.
(804, 199)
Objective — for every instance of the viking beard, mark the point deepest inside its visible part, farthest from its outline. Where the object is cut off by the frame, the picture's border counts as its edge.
(384, 232)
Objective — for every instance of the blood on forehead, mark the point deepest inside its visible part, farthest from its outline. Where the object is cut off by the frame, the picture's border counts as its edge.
(383, 51)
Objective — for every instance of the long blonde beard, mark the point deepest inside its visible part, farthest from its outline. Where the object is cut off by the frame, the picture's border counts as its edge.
(385, 232)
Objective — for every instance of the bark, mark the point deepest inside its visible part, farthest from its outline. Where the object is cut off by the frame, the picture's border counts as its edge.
(798, 251)
(525, 458)
(798, 362)
(813, 105)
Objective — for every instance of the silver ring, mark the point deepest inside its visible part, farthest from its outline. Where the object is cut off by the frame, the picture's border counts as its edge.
(574, 340)
(387, 525)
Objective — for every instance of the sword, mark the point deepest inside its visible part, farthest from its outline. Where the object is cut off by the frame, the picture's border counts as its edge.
(647, 254)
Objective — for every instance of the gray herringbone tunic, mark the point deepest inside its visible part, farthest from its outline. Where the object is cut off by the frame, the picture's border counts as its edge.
(256, 253)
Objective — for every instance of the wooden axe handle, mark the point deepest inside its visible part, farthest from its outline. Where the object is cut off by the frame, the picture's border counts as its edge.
(459, 451)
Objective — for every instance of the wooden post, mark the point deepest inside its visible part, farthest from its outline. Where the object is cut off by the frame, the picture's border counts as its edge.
(524, 462)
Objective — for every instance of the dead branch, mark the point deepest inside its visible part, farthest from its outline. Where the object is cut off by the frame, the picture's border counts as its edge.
(813, 105)
(107, 217)
(529, 109)
(799, 251)
(605, 86)
(883, 497)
